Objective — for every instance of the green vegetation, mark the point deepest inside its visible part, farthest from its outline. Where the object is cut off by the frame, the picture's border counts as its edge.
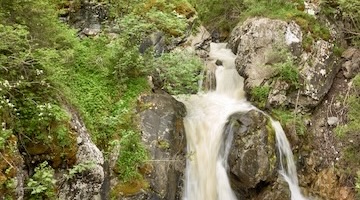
(287, 71)
(259, 95)
(348, 12)
(218, 14)
(353, 115)
(348, 133)
(47, 73)
(357, 184)
(79, 169)
(293, 122)
(180, 72)
(133, 154)
(42, 183)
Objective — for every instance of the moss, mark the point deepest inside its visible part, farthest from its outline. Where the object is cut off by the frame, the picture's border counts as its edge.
(290, 120)
(129, 188)
(10, 159)
(163, 144)
(272, 142)
(259, 95)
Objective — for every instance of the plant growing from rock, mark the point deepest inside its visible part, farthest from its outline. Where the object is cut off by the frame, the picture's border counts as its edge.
(42, 183)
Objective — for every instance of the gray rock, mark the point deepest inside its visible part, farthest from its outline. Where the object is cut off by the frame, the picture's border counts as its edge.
(256, 42)
(252, 158)
(164, 135)
(156, 40)
(88, 18)
(86, 185)
(161, 121)
(319, 68)
(332, 121)
(351, 66)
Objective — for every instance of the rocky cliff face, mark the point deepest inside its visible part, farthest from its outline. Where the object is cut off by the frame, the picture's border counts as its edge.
(86, 184)
(261, 43)
(164, 135)
(323, 79)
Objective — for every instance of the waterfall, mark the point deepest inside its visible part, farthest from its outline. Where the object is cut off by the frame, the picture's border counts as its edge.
(206, 167)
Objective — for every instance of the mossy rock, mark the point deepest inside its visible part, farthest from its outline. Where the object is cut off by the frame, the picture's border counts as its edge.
(129, 188)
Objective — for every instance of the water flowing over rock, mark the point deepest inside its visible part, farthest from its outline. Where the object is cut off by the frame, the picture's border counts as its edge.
(161, 119)
(255, 42)
(212, 120)
(86, 185)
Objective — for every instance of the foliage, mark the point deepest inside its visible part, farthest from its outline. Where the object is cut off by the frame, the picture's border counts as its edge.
(348, 132)
(42, 183)
(132, 156)
(288, 72)
(40, 19)
(219, 14)
(357, 184)
(164, 15)
(348, 12)
(27, 100)
(259, 95)
(291, 120)
(180, 72)
(79, 169)
(45, 68)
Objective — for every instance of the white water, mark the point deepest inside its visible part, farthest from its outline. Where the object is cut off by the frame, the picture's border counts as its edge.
(206, 173)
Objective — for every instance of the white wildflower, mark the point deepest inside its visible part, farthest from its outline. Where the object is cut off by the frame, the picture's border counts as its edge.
(39, 72)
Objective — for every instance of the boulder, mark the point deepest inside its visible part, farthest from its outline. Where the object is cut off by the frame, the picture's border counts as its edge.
(260, 43)
(85, 185)
(252, 159)
(161, 123)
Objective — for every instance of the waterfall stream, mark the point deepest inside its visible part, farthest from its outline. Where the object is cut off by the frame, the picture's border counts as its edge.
(206, 167)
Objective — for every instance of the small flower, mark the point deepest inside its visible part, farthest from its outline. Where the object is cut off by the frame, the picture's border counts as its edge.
(39, 72)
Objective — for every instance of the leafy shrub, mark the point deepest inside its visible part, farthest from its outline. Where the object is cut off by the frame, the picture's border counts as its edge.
(180, 72)
(132, 156)
(288, 72)
(79, 168)
(219, 14)
(42, 183)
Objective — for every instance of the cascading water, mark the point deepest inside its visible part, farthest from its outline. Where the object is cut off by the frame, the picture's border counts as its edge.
(206, 173)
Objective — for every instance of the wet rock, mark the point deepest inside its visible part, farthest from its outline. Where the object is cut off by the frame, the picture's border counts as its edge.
(275, 191)
(351, 66)
(85, 185)
(161, 121)
(260, 44)
(252, 158)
